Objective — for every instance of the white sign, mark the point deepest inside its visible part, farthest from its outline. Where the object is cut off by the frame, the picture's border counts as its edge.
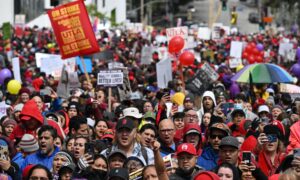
(110, 78)
(204, 33)
(236, 49)
(20, 19)
(235, 62)
(178, 31)
(289, 88)
(210, 71)
(146, 55)
(2, 109)
(52, 64)
(216, 30)
(73, 80)
(115, 65)
(164, 73)
(284, 48)
(16, 68)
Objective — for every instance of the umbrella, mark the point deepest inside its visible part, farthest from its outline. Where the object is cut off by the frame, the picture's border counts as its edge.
(262, 73)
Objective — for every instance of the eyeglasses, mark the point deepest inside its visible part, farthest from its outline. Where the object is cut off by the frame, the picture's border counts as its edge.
(164, 131)
(191, 116)
(179, 84)
(216, 136)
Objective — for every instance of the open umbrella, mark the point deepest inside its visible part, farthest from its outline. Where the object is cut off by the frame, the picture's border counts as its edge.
(262, 73)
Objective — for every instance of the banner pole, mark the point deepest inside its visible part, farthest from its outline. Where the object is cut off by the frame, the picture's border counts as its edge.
(109, 99)
(84, 68)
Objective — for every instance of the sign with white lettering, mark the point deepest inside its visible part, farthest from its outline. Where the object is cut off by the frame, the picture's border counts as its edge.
(110, 78)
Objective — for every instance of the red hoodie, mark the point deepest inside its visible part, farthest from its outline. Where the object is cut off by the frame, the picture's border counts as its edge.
(29, 111)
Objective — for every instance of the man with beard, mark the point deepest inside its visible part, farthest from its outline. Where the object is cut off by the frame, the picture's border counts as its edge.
(187, 160)
(125, 140)
(47, 149)
(210, 154)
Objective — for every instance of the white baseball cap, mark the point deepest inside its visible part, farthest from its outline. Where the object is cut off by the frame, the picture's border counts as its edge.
(132, 112)
(263, 108)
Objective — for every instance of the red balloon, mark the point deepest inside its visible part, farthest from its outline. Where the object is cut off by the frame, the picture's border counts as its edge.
(259, 59)
(245, 55)
(176, 44)
(262, 54)
(251, 59)
(187, 58)
(248, 49)
(252, 45)
(255, 51)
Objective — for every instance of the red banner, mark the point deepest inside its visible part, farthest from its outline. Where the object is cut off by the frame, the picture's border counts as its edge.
(73, 30)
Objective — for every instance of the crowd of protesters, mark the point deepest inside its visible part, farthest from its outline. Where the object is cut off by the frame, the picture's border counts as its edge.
(49, 137)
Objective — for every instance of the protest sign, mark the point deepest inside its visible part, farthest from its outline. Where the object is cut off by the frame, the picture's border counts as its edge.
(106, 55)
(52, 64)
(87, 62)
(136, 175)
(6, 30)
(235, 62)
(110, 78)
(178, 31)
(210, 71)
(20, 19)
(73, 30)
(204, 33)
(146, 55)
(216, 31)
(125, 89)
(2, 109)
(164, 73)
(201, 81)
(73, 80)
(16, 68)
(292, 89)
(191, 43)
(115, 65)
(236, 49)
(284, 48)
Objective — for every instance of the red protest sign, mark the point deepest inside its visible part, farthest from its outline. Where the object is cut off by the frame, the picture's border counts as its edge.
(73, 30)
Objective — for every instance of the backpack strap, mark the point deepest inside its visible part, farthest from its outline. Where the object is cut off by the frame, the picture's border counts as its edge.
(145, 154)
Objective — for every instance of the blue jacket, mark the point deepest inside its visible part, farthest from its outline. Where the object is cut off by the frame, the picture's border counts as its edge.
(208, 159)
(38, 158)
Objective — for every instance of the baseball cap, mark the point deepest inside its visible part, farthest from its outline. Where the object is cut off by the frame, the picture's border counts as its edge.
(121, 173)
(222, 127)
(191, 128)
(237, 111)
(125, 123)
(150, 116)
(186, 147)
(117, 151)
(206, 175)
(150, 89)
(132, 112)
(229, 141)
(263, 108)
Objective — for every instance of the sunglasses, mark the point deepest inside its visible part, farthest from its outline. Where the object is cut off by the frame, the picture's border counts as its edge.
(216, 136)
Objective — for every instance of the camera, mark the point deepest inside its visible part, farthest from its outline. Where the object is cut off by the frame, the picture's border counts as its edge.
(272, 138)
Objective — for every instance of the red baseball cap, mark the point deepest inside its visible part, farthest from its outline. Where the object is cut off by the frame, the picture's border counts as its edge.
(186, 147)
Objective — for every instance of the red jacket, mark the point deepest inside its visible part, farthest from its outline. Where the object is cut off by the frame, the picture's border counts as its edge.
(265, 164)
(29, 111)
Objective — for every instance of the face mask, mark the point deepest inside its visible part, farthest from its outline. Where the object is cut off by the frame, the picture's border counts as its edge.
(100, 173)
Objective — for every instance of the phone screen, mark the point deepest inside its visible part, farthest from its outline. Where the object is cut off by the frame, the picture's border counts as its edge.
(89, 148)
(247, 157)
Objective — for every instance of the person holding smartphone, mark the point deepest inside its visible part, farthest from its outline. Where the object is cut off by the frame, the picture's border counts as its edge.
(271, 152)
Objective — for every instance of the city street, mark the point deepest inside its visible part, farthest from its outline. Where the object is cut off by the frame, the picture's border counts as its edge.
(202, 14)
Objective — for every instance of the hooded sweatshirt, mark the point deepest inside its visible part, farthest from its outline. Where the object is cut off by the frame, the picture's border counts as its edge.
(206, 94)
(29, 111)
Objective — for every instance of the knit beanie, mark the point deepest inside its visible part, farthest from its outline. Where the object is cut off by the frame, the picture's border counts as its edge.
(28, 143)
(8, 122)
(178, 98)
(66, 155)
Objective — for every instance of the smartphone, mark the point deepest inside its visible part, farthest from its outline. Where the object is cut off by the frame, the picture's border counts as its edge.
(297, 152)
(227, 107)
(247, 157)
(89, 148)
(272, 138)
(44, 92)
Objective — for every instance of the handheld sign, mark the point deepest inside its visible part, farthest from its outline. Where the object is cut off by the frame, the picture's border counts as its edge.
(110, 78)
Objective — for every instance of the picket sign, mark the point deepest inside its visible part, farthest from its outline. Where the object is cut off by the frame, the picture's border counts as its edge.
(178, 31)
